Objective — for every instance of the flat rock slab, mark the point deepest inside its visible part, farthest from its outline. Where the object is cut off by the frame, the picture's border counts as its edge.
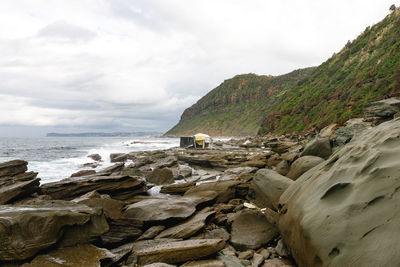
(177, 189)
(251, 230)
(188, 228)
(226, 190)
(83, 255)
(13, 167)
(159, 210)
(118, 187)
(27, 229)
(17, 190)
(178, 251)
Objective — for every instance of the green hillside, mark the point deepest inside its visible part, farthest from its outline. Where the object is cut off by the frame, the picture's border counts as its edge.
(237, 106)
(365, 70)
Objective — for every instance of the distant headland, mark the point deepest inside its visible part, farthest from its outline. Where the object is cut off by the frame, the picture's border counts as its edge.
(101, 134)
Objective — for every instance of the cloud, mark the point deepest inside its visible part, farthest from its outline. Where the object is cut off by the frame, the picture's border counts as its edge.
(134, 65)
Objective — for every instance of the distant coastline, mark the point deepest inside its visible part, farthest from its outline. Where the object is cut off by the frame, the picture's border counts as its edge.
(101, 134)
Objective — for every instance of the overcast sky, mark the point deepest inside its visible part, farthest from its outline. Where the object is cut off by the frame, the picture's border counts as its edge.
(134, 65)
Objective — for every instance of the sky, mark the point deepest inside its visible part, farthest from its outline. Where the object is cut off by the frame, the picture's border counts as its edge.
(135, 65)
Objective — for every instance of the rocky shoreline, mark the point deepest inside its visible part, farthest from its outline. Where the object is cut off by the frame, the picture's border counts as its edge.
(325, 199)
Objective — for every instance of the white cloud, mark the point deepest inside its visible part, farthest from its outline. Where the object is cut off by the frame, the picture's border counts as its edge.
(138, 64)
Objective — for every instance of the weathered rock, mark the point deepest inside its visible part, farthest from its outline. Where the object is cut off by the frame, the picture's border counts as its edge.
(245, 255)
(385, 108)
(83, 255)
(274, 160)
(328, 131)
(261, 232)
(13, 191)
(268, 187)
(280, 146)
(116, 168)
(118, 187)
(142, 161)
(27, 229)
(159, 264)
(152, 232)
(121, 231)
(188, 228)
(283, 167)
(226, 190)
(95, 157)
(255, 163)
(319, 147)
(241, 170)
(352, 128)
(281, 249)
(90, 165)
(257, 260)
(205, 263)
(348, 205)
(177, 189)
(176, 251)
(159, 210)
(303, 164)
(161, 176)
(277, 263)
(218, 233)
(231, 261)
(118, 157)
(13, 167)
(83, 173)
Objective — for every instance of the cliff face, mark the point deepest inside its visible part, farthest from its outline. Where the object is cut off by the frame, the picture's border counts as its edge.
(365, 70)
(237, 106)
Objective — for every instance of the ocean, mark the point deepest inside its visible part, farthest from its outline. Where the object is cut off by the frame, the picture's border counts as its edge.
(55, 158)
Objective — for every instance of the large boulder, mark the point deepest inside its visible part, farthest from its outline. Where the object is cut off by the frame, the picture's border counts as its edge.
(251, 230)
(160, 210)
(346, 210)
(268, 187)
(118, 187)
(319, 147)
(303, 164)
(28, 229)
(175, 251)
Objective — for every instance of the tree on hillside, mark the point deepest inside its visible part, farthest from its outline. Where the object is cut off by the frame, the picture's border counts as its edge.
(392, 8)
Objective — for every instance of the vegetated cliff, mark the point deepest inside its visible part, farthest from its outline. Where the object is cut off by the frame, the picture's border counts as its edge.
(237, 106)
(365, 70)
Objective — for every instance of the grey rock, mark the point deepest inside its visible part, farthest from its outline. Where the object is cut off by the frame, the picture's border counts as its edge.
(303, 164)
(319, 147)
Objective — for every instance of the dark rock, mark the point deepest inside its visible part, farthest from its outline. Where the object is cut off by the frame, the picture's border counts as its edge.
(91, 165)
(352, 128)
(161, 176)
(118, 187)
(142, 161)
(95, 157)
(116, 168)
(17, 190)
(121, 231)
(118, 157)
(152, 232)
(283, 167)
(83, 173)
(319, 147)
(28, 229)
(226, 190)
(13, 167)
(177, 189)
(303, 164)
(262, 231)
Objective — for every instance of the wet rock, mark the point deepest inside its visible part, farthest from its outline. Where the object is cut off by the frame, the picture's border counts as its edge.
(261, 232)
(268, 187)
(303, 164)
(83, 255)
(13, 168)
(161, 176)
(188, 228)
(118, 187)
(177, 189)
(182, 251)
(152, 232)
(226, 190)
(95, 157)
(348, 204)
(83, 173)
(28, 229)
(118, 157)
(319, 147)
(159, 210)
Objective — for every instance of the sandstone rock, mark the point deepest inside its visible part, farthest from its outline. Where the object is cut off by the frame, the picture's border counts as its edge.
(159, 264)
(241, 170)
(205, 263)
(142, 161)
(218, 233)
(177, 189)
(385, 108)
(261, 232)
(303, 164)
(281, 146)
(184, 171)
(277, 263)
(83, 173)
(13, 167)
(274, 160)
(319, 147)
(231, 261)
(245, 255)
(95, 157)
(328, 131)
(27, 229)
(281, 249)
(226, 190)
(268, 187)
(10, 192)
(152, 232)
(83, 255)
(118, 187)
(177, 251)
(283, 167)
(118, 157)
(290, 157)
(121, 231)
(188, 228)
(348, 205)
(159, 210)
(255, 163)
(92, 165)
(257, 260)
(116, 168)
(160, 176)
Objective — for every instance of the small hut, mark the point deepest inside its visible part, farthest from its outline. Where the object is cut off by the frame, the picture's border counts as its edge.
(196, 141)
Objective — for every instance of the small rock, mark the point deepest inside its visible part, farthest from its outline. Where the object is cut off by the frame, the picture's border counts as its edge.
(83, 173)
(95, 157)
(152, 232)
(257, 260)
(161, 176)
(245, 255)
(281, 249)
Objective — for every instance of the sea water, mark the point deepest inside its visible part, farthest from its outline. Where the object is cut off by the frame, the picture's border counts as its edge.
(55, 158)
